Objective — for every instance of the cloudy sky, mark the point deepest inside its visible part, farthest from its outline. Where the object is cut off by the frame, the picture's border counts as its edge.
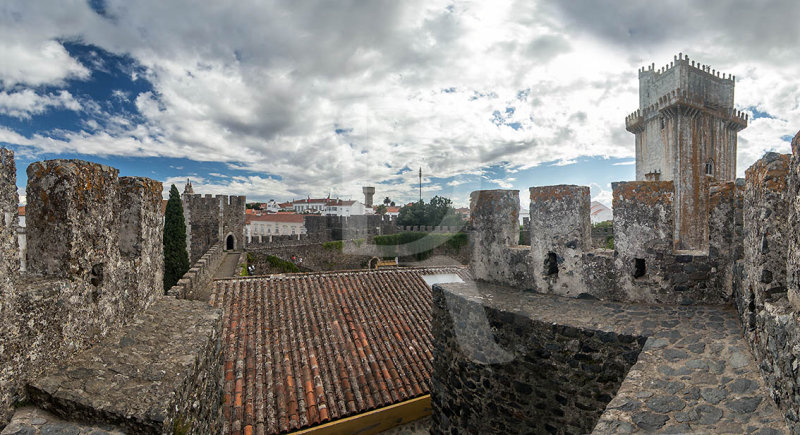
(284, 99)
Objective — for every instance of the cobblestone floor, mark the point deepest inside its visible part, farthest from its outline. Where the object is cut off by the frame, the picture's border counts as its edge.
(695, 373)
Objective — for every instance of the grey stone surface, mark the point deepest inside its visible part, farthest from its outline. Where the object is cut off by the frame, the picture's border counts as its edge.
(659, 390)
(560, 234)
(35, 421)
(510, 372)
(162, 374)
(495, 221)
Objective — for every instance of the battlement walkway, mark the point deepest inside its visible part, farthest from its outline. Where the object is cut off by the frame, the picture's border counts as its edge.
(694, 372)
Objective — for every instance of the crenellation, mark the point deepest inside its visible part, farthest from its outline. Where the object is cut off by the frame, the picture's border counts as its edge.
(95, 261)
(72, 217)
(494, 216)
(560, 233)
(9, 255)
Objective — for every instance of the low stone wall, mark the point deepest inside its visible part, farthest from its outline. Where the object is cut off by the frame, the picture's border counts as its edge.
(277, 241)
(157, 376)
(531, 376)
(429, 228)
(198, 278)
(600, 235)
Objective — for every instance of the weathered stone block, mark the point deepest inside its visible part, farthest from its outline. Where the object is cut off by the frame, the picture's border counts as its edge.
(72, 218)
(793, 248)
(560, 231)
(643, 217)
(495, 223)
(9, 257)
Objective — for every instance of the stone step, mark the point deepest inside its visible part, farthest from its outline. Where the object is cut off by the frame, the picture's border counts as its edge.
(162, 374)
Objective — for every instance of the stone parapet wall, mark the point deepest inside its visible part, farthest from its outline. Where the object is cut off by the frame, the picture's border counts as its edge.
(282, 240)
(500, 371)
(8, 215)
(95, 261)
(766, 277)
(196, 280)
(330, 228)
(495, 225)
(560, 233)
(158, 375)
(644, 265)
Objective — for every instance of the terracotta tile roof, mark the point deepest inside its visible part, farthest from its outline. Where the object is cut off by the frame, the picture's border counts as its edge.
(304, 349)
(310, 200)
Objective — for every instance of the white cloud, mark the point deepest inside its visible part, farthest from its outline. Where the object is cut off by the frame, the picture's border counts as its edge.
(448, 87)
(26, 103)
(626, 163)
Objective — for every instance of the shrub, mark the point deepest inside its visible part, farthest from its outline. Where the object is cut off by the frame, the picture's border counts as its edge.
(282, 265)
(336, 245)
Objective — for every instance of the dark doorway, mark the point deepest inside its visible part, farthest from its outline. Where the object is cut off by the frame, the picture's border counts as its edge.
(229, 243)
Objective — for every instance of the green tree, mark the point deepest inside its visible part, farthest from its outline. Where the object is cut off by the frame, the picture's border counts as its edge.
(176, 260)
(437, 212)
(386, 201)
(381, 209)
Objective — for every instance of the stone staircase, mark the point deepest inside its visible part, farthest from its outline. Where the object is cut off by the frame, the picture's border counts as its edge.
(161, 374)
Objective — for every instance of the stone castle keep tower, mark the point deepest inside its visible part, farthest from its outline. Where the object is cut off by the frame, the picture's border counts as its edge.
(686, 129)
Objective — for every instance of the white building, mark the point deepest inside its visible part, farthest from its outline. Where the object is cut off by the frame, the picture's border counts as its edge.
(272, 206)
(330, 207)
(310, 205)
(273, 225)
(338, 207)
(600, 213)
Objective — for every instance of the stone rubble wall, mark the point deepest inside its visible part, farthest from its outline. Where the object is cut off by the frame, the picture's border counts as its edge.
(495, 227)
(8, 208)
(284, 240)
(160, 374)
(330, 228)
(546, 377)
(644, 265)
(95, 261)
(202, 215)
(766, 276)
(560, 231)
(193, 283)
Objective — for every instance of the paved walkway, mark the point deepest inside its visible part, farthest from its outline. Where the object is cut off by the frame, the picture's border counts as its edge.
(228, 267)
(694, 374)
